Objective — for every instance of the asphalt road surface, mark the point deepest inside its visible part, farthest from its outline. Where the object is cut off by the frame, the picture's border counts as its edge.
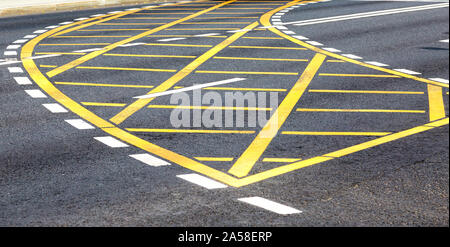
(357, 136)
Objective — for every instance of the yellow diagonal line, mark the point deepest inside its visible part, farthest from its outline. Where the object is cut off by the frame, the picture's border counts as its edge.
(251, 155)
(436, 102)
(141, 103)
(108, 48)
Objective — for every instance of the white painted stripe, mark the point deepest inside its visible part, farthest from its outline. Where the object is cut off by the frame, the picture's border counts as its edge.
(44, 56)
(206, 34)
(439, 80)
(15, 70)
(150, 160)
(20, 41)
(81, 19)
(132, 9)
(10, 53)
(13, 47)
(376, 63)
(111, 141)
(55, 108)
(23, 80)
(132, 44)
(40, 31)
(35, 93)
(407, 71)
(171, 39)
(115, 12)
(331, 49)
(11, 62)
(240, 30)
(277, 23)
(444, 41)
(210, 84)
(270, 205)
(79, 124)
(300, 37)
(89, 50)
(97, 15)
(52, 27)
(30, 36)
(351, 56)
(314, 43)
(281, 27)
(65, 23)
(279, 14)
(202, 181)
(289, 32)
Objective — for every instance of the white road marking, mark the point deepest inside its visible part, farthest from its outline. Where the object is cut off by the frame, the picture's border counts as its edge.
(40, 31)
(10, 62)
(15, 70)
(65, 23)
(81, 19)
(171, 39)
(35, 93)
(270, 205)
(210, 84)
(30, 36)
(407, 71)
(89, 50)
(289, 32)
(111, 142)
(52, 27)
(300, 37)
(202, 181)
(44, 56)
(444, 41)
(331, 49)
(150, 160)
(79, 124)
(206, 34)
(55, 108)
(132, 9)
(98, 15)
(314, 43)
(439, 80)
(351, 56)
(132, 44)
(240, 30)
(282, 27)
(13, 47)
(376, 63)
(20, 41)
(116, 12)
(23, 80)
(10, 53)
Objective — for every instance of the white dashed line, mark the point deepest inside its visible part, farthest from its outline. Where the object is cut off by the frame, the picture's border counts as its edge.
(52, 27)
(10, 53)
(171, 39)
(98, 15)
(282, 27)
(332, 49)
(270, 205)
(376, 63)
(300, 37)
(30, 36)
(65, 23)
(115, 12)
(439, 80)
(444, 41)
(79, 124)
(150, 160)
(289, 32)
(351, 56)
(23, 80)
(240, 30)
(15, 69)
(12, 47)
(202, 181)
(20, 41)
(206, 34)
(111, 142)
(36, 93)
(81, 19)
(55, 108)
(132, 44)
(89, 50)
(40, 31)
(314, 43)
(407, 71)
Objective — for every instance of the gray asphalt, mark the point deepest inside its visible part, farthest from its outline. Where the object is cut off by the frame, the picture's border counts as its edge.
(52, 174)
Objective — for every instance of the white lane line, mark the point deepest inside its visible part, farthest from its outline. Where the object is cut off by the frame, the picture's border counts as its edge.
(281, 27)
(111, 142)
(20, 41)
(132, 44)
(315, 43)
(55, 108)
(270, 205)
(171, 39)
(444, 41)
(40, 31)
(288, 32)
(23, 80)
(36, 93)
(367, 14)
(439, 80)
(210, 84)
(150, 160)
(81, 19)
(15, 70)
(89, 50)
(51, 27)
(98, 15)
(300, 37)
(206, 34)
(240, 30)
(13, 47)
(376, 63)
(407, 71)
(10, 62)
(132, 9)
(202, 181)
(331, 49)
(44, 56)
(79, 124)
(30, 36)
(10, 53)
(115, 12)
(351, 56)
(65, 23)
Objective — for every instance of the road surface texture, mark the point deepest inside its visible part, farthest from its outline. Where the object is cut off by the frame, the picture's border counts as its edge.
(358, 135)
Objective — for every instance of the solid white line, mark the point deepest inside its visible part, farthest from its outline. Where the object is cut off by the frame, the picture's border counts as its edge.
(35, 93)
(89, 50)
(15, 70)
(44, 56)
(331, 49)
(240, 30)
(407, 71)
(11, 62)
(210, 84)
(13, 47)
(376, 63)
(132, 44)
(10, 53)
(111, 142)
(270, 205)
(202, 181)
(439, 80)
(206, 34)
(150, 160)
(79, 124)
(171, 39)
(351, 56)
(55, 108)
(23, 80)
(98, 15)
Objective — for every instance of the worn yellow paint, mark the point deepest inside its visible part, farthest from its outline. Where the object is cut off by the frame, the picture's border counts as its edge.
(435, 102)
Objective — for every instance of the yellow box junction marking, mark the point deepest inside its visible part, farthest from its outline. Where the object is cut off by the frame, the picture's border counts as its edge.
(436, 102)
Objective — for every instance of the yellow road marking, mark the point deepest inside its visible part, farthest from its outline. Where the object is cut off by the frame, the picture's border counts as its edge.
(359, 75)
(214, 23)
(131, 24)
(106, 49)
(245, 72)
(210, 107)
(141, 55)
(126, 69)
(114, 29)
(91, 36)
(102, 85)
(335, 61)
(214, 158)
(313, 133)
(180, 45)
(246, 89)
(436, 102)
(191, 131)
(245, 163)
(103, 104)
(200, 29)
(148, 18)
(234, 13)
(139, 104)
(281, 160)
(267, 47)
(228, 17)
(228, 159)
(60, 53)
(180, 13)
(262, 59)
(359, 110)
(80, 44)
(362, 91)
(47, 66)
